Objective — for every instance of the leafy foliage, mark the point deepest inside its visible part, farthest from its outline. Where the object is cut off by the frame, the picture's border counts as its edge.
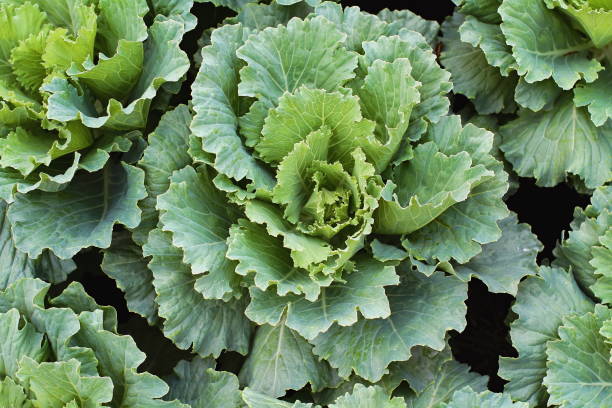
(299, 223)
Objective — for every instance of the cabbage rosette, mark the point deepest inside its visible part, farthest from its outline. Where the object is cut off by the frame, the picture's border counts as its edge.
(299, 218)
(547, 64)
(77, 81)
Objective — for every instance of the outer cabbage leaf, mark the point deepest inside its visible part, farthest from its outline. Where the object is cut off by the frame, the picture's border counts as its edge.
(544, 45)
(472, 74)
(368, 397)
(579, 372)
(460, 231)
(542, 302)
(363, 290)
(210, 326)
(279, 360)
(413, 304)
(566, 137)
(467, 398)
(199, 217)
(79, 216)
(504, 263)
(166, 152)
(602, 262)
(123, 262)
(595, 97)
(196, 383)
(15, 264)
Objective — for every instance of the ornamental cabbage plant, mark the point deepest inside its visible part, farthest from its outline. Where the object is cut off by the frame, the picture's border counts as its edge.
(76, 86)
(548, 64)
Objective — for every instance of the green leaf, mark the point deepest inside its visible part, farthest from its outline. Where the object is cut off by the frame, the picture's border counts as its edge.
(15, 264)
(595, 97)
(504, 263)
(56, 384)
(368, 397)
(407, 19)
(123, 262)
(210, 326)
(264, 255)
(567, 137)
(483, 10)
(120, 20)
(593, 17)
(460, 231)
(118, 358)
(575, 251)
(427, 186)
(387, 96)
(18, 23)
(81, 215)
(363, 290)
(199, 217)
(467, 398)
(13, 395)
(471, 73)
(541, 303)
(18, 342)
(579, 372)
(544, 45)
(298, 114)
(279, 360)
(282, 59)
(217, 106)
(422, 310)
(538, 95)
(602, 262)
(164, 62)
(27, 62)
(166, 152)
(490, 39)
(255, 399)
(434, 80)
(357, 25)
(196, 383)
(113, 77)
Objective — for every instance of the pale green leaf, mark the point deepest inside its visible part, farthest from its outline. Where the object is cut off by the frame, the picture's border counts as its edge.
(282, 59)
(18, 341)
(217, 107)
(56, 384)
(368, 397)
(544, 45)
(363, 290)
(279, 360)
(579, 372)
(467, 398)
(79, 216)
(12, 395)
(565, 136)
(427, 186)
(504, 263)
(210, 326)
(538, 95)
(196, 383)
(435, 82)
(541, 303)
(602, 262)
(123, 262)
(199, 217)
(422, 310)
(460, 231)
(407, 19)
(265, 257)
(165, 153)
